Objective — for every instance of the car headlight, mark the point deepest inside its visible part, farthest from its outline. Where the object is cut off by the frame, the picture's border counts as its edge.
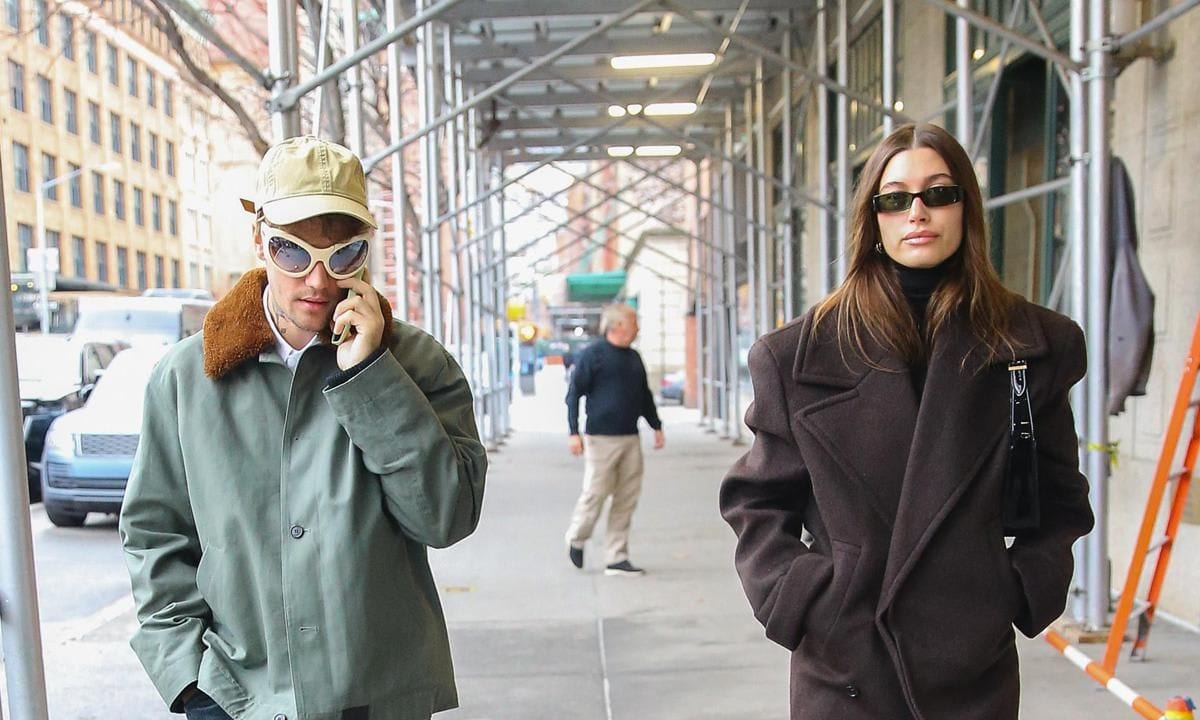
(60, 441)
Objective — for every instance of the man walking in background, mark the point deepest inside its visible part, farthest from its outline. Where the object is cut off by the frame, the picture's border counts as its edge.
(613, 378)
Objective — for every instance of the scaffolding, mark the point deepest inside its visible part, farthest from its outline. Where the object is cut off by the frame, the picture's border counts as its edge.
(531, 73)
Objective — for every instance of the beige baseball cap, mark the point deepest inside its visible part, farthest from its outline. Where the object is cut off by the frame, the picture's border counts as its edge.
(305, 176)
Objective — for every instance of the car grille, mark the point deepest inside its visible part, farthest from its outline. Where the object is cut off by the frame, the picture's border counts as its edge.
(59, 476)
(108, 445)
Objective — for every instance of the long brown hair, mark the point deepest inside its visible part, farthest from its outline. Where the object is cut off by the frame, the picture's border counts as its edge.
(870, 299)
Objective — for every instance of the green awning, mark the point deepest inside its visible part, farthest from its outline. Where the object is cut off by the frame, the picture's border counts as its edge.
(595, 287)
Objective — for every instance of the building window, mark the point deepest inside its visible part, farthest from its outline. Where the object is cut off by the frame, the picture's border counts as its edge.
(175, 273)
(119, 199)
(114, 130)
(170, 151)
(156, 212)
(135, 141)
(21, 166)
(168, 99)
(141, 270)
(49, 172)
(160, 271)
(102, 262)
(16, 81)
(94, 122)
(89, 52)
(114, 72)
(79, 256)
(41, 21)
(122, 267)
(71, 108)
(66, 25)
(12, 10)
(173, 218)
(139, 210)
(54, 240)
(75, 184)
(131, 75)
(47, 100)
(151, 88)
(24, 245)
(97, 193)
(153, 150)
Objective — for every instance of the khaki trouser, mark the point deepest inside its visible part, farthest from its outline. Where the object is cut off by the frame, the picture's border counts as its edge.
(612, 466)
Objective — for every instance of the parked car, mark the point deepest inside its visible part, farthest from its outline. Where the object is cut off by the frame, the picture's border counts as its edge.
(89, 452)
(141, 319)
(187, 293)
(671, 386)
(55, 373)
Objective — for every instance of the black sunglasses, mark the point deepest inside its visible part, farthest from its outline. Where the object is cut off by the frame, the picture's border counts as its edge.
(899, 201)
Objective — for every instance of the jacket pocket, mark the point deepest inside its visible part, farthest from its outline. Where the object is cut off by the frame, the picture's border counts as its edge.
(833, 606)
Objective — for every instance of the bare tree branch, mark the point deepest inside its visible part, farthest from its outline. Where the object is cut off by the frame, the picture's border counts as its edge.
(175, 38)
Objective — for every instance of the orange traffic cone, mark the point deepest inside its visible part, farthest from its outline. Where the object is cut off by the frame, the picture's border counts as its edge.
(1180, 708)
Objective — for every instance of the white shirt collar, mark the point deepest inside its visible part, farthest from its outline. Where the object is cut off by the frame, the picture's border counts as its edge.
(287, 353)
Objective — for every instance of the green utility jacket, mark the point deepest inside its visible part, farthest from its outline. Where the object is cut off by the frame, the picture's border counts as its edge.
(276, 525)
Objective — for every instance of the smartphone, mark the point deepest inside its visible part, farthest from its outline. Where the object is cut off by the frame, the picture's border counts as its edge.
(341, 337)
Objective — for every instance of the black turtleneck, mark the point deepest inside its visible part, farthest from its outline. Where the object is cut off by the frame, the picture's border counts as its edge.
(918, 285)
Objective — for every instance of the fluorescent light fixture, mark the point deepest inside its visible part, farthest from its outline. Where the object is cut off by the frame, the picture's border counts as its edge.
(658, 150)
(978, 53)
(616, 111)
(640, 62)
(898, 106)
(671, 108)
(620, 150)
(634, 108)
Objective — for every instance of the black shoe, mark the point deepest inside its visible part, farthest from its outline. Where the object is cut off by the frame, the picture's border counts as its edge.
(576, 554)
(623, 568)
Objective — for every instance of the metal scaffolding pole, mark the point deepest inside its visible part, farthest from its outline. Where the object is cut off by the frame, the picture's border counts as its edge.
(1099, 81)
(20, 626)
(427, 109)
(487, 298)
(765, 278)
(712, 342)
(699, 280)
(785, 151)
(823, 254)
(399, 195)
(731, 395)
(963, 78)
(354, 133)
(889, 62)
(285, 65)
(752, 265)
(843, 139)
(985, 118)
(506, 342)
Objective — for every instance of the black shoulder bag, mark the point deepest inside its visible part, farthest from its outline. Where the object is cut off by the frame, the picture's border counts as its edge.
(1021, 506)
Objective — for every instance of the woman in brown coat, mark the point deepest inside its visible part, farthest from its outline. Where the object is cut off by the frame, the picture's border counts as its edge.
(882, 428)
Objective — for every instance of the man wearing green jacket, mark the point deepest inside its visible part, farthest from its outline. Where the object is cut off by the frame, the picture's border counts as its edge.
(286, 488)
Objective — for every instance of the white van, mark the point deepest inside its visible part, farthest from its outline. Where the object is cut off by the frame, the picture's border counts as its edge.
(137, 320)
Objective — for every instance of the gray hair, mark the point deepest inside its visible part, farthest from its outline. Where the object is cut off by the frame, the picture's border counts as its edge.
(615, 313)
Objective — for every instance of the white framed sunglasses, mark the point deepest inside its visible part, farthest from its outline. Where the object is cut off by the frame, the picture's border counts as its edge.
(296, 258)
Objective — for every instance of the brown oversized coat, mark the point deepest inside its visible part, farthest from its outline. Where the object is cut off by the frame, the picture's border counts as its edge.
(904, 604)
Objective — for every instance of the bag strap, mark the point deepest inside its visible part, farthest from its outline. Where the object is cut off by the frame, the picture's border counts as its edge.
(1020, 413)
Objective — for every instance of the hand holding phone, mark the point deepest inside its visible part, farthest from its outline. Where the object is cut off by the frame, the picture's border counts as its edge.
(341, 337)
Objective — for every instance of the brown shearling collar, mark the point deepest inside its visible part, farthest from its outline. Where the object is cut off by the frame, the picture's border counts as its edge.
(236, 328)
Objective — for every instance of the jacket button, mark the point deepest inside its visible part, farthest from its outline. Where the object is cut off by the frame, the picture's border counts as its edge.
(297, 532)
(280, 716)
(852, 691)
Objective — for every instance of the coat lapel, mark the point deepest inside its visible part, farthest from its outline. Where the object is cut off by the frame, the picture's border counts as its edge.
(861, 413)
(963, 416)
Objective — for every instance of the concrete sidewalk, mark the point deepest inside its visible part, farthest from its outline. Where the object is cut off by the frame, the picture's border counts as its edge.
(535, 638)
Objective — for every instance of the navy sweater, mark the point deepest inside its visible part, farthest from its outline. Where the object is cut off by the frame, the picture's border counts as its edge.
(614, 381)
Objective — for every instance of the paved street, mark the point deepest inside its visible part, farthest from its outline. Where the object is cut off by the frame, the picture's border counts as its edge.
(535, 638)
